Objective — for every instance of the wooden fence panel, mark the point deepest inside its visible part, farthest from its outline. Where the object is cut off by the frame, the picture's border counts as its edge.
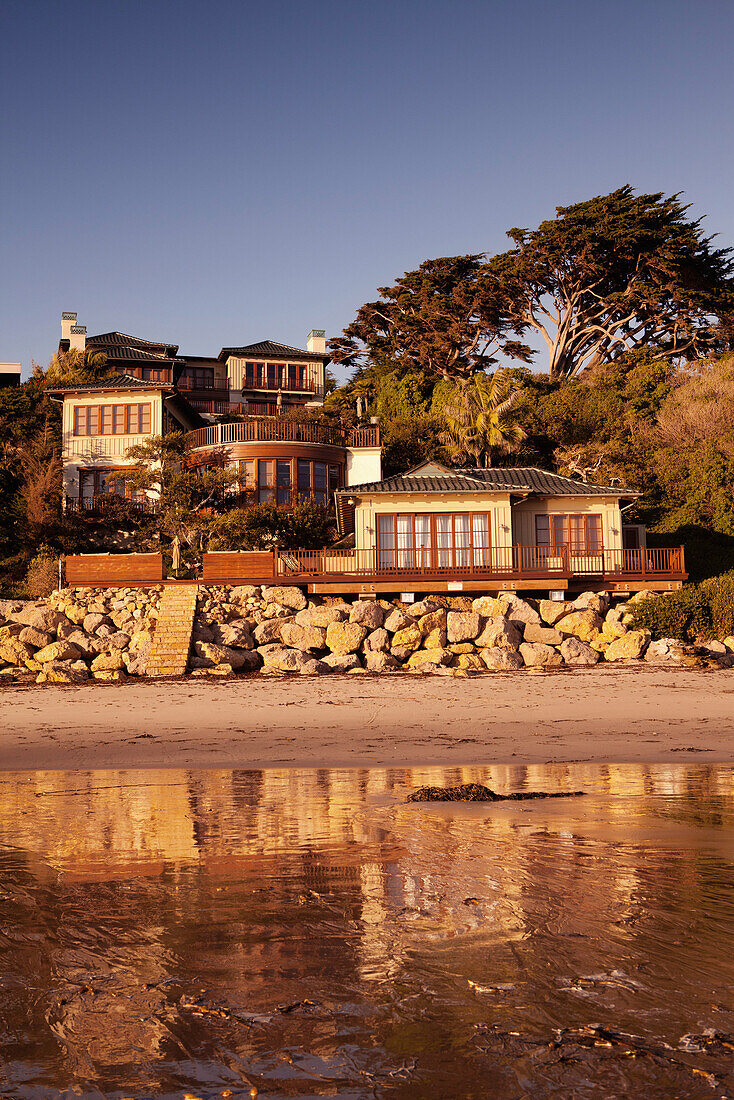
(243, 567)
(96, 570)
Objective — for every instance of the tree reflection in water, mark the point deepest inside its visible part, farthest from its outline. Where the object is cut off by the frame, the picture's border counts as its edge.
(309, 933)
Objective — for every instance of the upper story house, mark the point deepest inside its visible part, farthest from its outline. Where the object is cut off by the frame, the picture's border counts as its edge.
(237, 400)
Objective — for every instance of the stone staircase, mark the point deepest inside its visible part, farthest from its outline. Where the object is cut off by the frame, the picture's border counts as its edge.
(169, 653)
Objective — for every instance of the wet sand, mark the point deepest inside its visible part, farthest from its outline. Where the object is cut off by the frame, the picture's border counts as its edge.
(616, 715)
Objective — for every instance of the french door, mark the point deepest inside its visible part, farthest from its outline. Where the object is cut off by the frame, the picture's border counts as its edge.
(433, 540)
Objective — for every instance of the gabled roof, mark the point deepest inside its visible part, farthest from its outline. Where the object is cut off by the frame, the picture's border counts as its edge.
(112, 382)
(269, 349)
(431, 477)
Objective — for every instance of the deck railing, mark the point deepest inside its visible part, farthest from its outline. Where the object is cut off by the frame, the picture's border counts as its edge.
(521, 562)
(278, 430)
(109, 504)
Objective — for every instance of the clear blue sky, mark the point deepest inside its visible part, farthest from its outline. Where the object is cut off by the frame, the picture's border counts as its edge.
(221, 172)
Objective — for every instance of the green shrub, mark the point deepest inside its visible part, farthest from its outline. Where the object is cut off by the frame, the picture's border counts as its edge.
(42, 575)
(305, 526)
(698, 610)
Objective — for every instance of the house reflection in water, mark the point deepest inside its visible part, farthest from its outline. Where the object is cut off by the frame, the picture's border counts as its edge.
(155, 920)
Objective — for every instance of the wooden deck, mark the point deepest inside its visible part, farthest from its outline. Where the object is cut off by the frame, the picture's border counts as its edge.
(513, 568)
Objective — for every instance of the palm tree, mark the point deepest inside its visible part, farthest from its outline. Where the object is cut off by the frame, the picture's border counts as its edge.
(481, 417)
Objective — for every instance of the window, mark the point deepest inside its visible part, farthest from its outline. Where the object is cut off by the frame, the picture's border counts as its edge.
(272, 376)
(581, 533)
(319, 482)
(107, 481)
(195, 378)
(254, 375)
(111, 419)
(155, 374)
(266, 488)
(333, 479)
(428, 541)
(284, 481)
(247, 474)
(304, 477)
(293, 376)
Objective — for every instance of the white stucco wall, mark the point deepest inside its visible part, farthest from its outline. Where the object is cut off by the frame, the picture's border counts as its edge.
(88, 451)
(364, 465)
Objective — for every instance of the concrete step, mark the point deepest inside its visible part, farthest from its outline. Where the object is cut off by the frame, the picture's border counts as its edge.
(169, 654)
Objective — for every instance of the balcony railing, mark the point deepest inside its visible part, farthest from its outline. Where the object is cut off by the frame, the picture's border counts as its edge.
(109, 504)
(262, 430)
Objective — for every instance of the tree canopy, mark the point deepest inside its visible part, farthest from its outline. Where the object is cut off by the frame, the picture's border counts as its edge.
(613, 273)
(447, 319)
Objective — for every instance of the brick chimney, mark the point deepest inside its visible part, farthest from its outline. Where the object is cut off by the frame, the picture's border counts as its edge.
(317, 341)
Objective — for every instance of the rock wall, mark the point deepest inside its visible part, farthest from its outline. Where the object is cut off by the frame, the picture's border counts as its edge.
(105, 634)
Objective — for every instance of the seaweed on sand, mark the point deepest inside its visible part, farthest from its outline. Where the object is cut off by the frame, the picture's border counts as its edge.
(475, 792)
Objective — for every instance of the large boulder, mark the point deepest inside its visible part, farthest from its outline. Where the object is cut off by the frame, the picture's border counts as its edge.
(501, 660)
(322, 616)
(553, 610)
(342, 662)
(285, 596)
(547, 634)
(409, 637)
(437, 638)
(422, 608)
(292, 660)
(345, 637)
(578, 653)
(87, 643)
(470, 662)
(629, 647)
(36, 638)
(380, 662)
(595, 601)
(41, 618)
(433, 620)
(368, 613)
(669, 651)
(269, 631)
(430, 657)
(501, 634)
(303, 637)
(463, 626)
(314, 667)
(377, 642)
(93, 620)
(58, 651)
(539, 655)
(613, 628)
(397, 620)
(235, 633)
(585, 624)
(220, 655)
(108, 662)
(57, 673)
(507, 605)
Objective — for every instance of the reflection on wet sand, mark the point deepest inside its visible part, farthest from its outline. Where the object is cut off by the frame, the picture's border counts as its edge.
(309, 933)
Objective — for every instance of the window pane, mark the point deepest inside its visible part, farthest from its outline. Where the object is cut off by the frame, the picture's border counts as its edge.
(247, 473)
(80, 420)
(272, 376)
(319, 482)
(462, 539)
(386, 541)
(423, 541)
(266, 474)
(560, 530)
(405, 541)
(542, 531)
(106, 424)
(595, 537)
(577, 534)
(119, 419)
(144, 412)
(93, 420)
(284, 481)
(480, 540)
(444, 539)
(304, 478)
(333, 478)
(86, 483)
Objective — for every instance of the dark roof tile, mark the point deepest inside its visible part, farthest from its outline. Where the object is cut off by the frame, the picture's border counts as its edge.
(269, 349)
(518, 479)
(113, 382)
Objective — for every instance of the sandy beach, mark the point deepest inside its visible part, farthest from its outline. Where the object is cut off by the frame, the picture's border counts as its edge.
(610, 714)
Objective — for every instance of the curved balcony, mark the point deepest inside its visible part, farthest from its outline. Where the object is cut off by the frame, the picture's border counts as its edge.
(274, 430)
